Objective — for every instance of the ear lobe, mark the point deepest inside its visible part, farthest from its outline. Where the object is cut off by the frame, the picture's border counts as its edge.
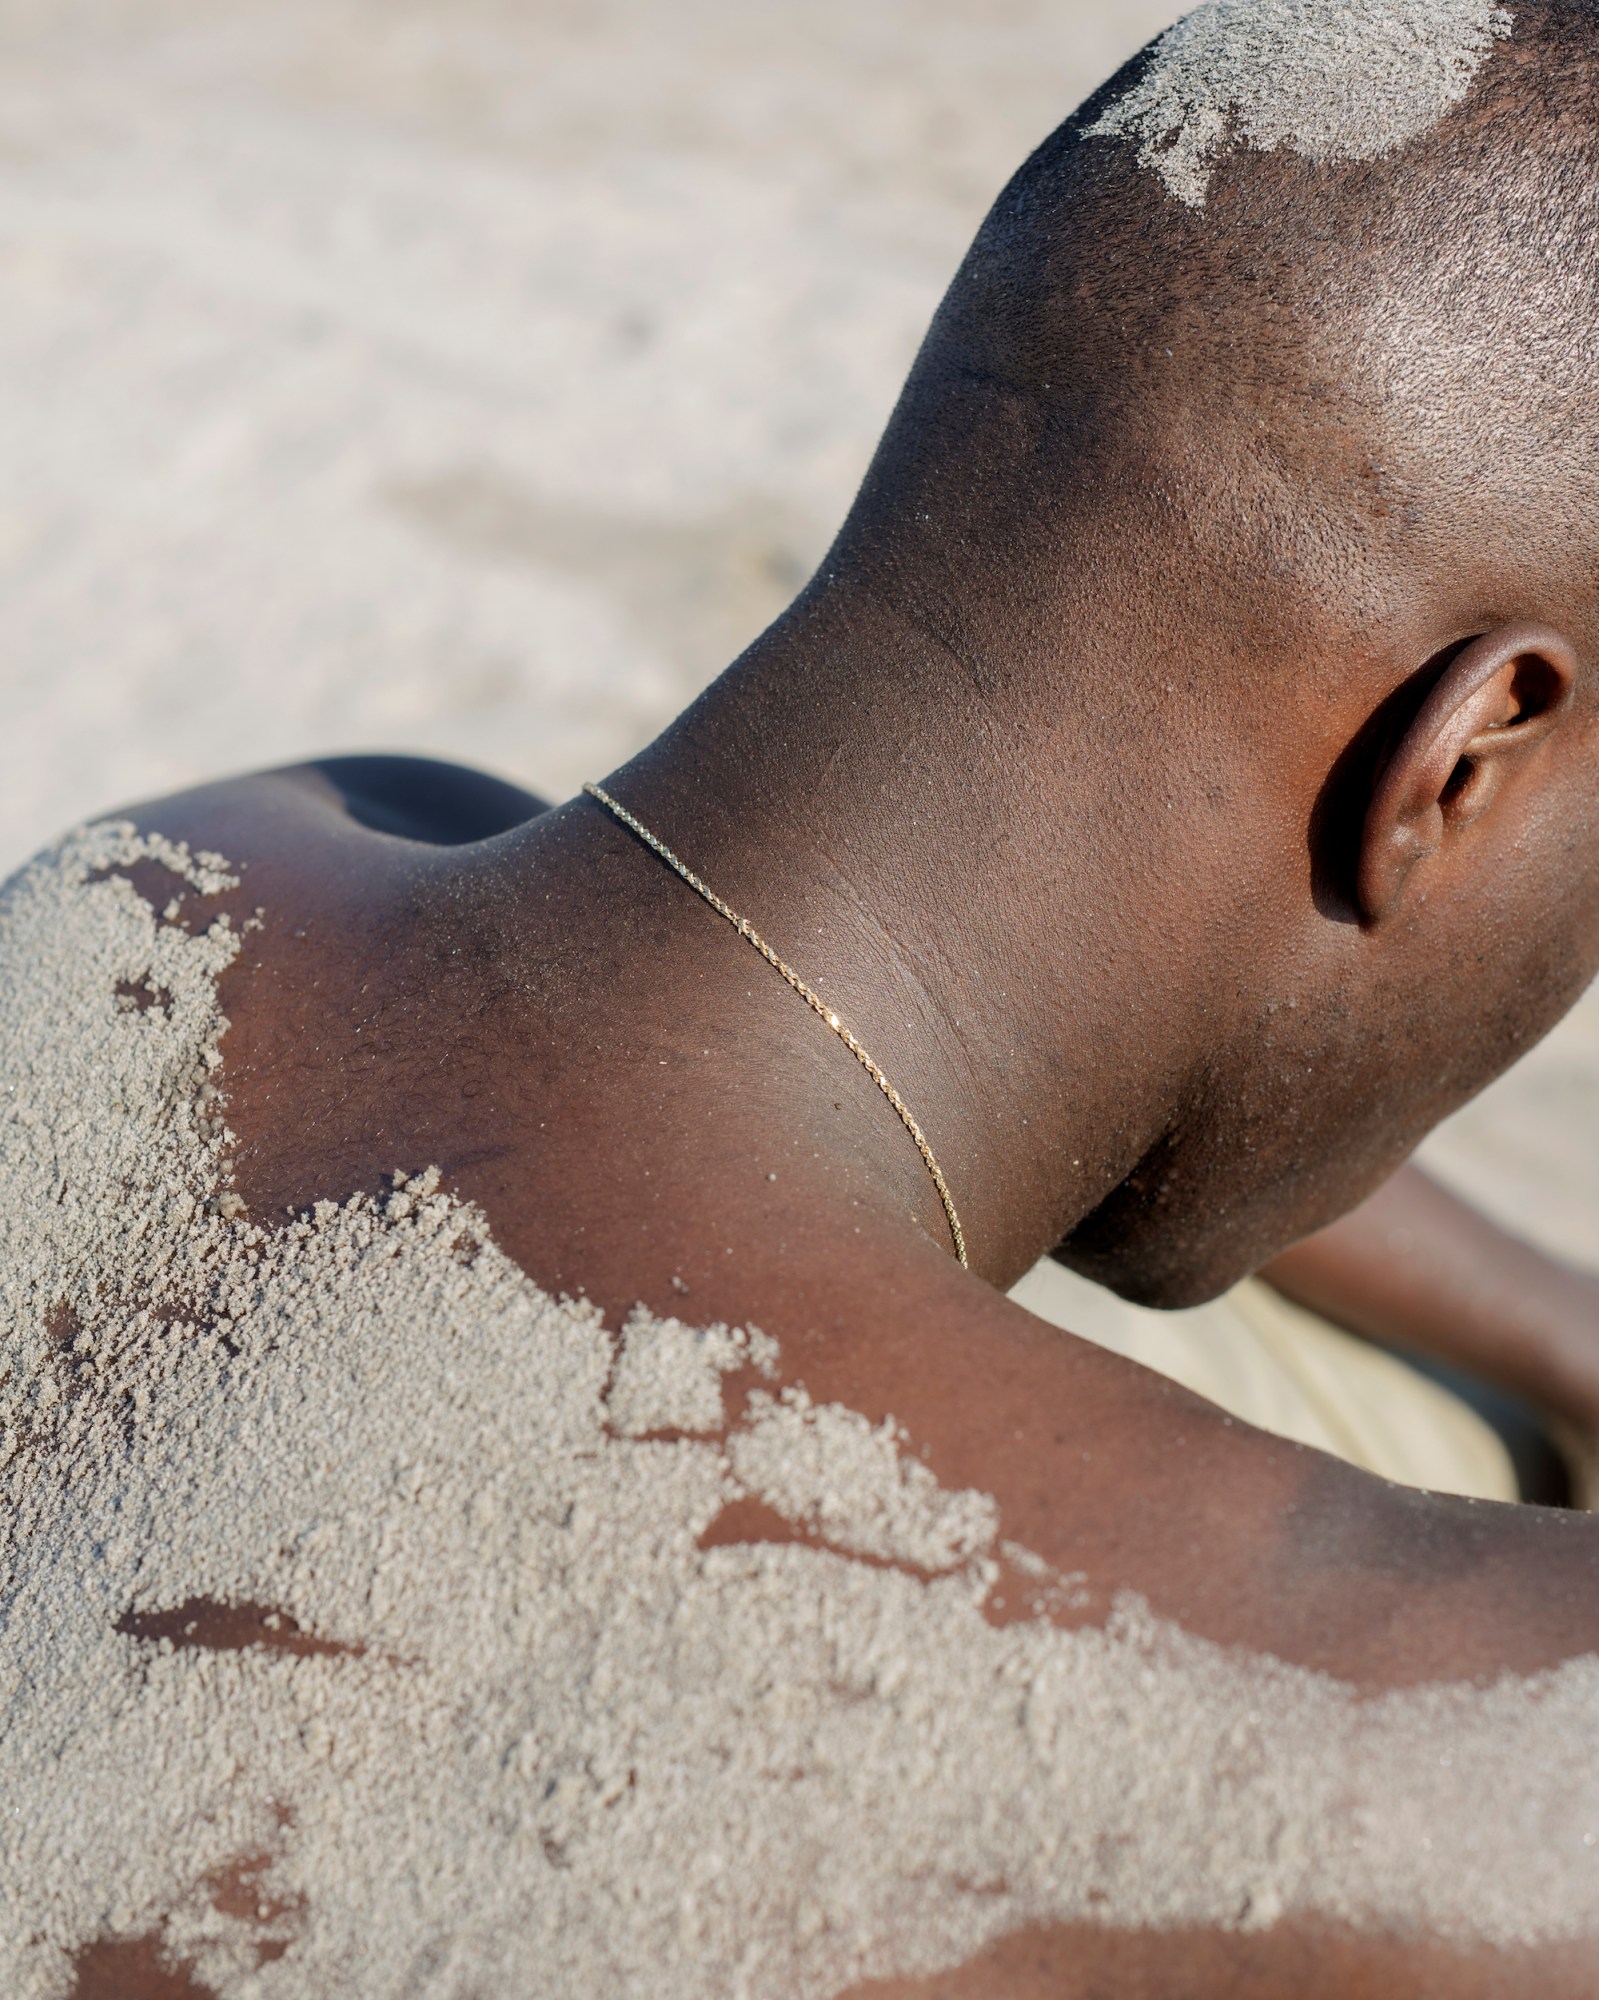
(1498, 698)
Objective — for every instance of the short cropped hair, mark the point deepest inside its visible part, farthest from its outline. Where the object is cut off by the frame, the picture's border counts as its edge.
(1376, 346)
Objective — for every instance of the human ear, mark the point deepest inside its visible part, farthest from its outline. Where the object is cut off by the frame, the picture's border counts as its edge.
(1498, 699)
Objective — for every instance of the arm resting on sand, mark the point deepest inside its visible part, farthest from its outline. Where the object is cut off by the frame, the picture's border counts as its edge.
(1416, 1267)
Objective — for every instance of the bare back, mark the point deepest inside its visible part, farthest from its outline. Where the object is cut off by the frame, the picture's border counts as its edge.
(465, 1546)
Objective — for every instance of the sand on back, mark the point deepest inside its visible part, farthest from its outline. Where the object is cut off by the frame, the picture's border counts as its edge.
(491, 1719)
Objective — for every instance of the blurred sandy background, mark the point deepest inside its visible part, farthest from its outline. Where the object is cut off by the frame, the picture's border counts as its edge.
(478, 378)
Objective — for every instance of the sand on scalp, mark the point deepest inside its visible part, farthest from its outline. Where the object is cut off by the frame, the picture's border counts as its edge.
(493, 1709)
(1350, 81)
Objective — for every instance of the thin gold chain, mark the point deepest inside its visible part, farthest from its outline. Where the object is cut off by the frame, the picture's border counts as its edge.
(808, 994)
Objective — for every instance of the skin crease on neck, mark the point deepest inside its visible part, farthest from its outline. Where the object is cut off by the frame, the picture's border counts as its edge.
(1175, 929)
(647, 1114)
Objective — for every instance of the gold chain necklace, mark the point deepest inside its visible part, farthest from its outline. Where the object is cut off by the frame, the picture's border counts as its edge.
(808, 994)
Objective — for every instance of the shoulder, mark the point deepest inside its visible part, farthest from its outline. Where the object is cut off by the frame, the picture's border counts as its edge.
(418, 800)
(916, 1626)
(1131, 1484)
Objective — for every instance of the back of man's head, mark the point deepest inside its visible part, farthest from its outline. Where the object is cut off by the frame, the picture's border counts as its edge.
(1305, 298)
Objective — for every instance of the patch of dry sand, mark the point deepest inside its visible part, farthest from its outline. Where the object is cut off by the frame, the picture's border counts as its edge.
(368, 1628)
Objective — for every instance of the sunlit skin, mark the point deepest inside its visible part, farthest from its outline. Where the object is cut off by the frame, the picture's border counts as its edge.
(1417, 1267)
(1180, 883)
(646, 1113)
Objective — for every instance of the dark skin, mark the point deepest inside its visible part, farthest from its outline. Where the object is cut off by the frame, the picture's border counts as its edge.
(645, 1112)
(1181, 776)
(1416, 1267)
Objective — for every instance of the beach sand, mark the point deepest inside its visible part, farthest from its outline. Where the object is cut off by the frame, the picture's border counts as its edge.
(377, 1624)
(477, 379)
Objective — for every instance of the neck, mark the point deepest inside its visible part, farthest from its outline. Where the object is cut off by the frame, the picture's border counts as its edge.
(847, 789)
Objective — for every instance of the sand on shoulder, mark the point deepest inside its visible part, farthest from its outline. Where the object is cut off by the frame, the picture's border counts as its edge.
(368, 1626)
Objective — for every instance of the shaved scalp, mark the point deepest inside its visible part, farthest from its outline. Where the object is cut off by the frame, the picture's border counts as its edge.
(1337, 375)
